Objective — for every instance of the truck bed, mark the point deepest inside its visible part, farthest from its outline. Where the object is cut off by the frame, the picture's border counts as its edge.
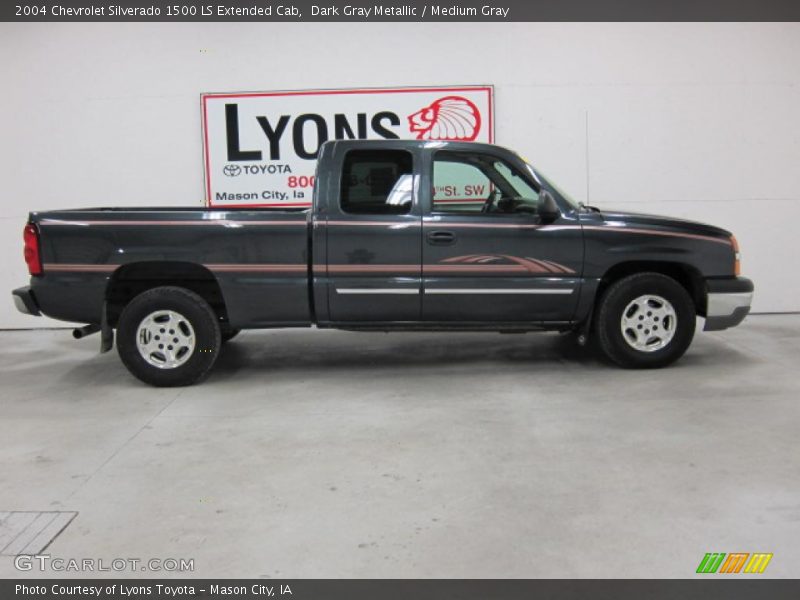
(155, 209)
(258, 257)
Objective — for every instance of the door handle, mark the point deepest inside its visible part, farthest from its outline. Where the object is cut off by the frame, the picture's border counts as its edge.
(441, 238)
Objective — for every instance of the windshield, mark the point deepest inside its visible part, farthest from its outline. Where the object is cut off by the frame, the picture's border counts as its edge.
(551, 187)
(558, 191)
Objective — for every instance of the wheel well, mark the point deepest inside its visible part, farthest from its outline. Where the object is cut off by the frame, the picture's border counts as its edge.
(686, 275)
(130, 280)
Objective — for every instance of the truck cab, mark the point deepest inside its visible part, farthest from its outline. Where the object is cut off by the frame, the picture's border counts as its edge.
(441, 234)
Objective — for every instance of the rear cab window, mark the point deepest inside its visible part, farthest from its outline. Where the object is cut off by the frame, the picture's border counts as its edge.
(377, 182)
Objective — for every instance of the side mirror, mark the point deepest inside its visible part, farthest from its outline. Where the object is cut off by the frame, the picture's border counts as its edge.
(548, 209)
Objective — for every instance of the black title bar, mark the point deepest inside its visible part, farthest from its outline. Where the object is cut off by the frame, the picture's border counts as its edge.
(713, 588)
(397, 11)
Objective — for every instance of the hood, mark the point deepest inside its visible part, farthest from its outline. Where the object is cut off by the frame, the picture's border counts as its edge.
(656, 221)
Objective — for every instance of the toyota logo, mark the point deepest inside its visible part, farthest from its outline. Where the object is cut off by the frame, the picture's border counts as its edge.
(232, 170)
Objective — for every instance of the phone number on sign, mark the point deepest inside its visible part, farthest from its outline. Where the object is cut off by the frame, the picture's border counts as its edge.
(300, 181)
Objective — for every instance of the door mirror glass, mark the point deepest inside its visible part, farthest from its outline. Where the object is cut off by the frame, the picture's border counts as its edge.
(548, 210)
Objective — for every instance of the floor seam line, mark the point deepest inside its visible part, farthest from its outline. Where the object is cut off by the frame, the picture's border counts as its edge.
(124, 445)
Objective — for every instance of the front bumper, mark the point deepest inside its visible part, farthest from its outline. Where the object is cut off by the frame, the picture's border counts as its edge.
(728, 302)
(25, 301)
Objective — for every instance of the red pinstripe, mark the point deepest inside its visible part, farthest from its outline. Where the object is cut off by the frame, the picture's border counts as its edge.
(217, 222)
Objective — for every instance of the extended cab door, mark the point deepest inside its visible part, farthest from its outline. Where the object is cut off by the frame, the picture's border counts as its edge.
(487, 255)
(373, 264)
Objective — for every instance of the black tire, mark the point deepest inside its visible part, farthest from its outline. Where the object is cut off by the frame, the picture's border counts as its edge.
(612, 341)
(197, 363)
(228, 334)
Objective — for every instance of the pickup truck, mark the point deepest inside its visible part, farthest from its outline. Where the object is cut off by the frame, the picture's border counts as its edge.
(402, 235)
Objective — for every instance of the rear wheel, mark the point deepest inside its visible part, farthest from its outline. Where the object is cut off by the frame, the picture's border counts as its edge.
(168, 336)
(646, 320)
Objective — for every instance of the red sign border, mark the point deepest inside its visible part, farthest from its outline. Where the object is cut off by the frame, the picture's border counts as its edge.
(204, 123)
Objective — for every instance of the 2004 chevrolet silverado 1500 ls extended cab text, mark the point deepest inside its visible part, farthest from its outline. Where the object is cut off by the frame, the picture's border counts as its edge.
(402, 235)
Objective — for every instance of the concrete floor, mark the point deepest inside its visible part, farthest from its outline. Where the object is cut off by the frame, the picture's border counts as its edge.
(335, 454)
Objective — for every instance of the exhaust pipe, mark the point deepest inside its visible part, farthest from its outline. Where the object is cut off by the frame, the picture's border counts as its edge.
(82, 332)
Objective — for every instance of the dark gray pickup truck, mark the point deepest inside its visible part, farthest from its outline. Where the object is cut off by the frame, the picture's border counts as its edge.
(402, 235)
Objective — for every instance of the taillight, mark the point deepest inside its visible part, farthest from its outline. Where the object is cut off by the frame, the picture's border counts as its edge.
(32, 255)
(737, 266)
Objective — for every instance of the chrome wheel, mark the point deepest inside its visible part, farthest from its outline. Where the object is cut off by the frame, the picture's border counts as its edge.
(165, 339)
(648, 323)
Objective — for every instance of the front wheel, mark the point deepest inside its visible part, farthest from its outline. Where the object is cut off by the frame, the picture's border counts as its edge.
(168, 336)
(646, 320)
(228, 333)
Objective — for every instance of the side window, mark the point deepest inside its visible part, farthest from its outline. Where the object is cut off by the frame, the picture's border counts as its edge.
(377, 182)
(466, 182)
(459, 186)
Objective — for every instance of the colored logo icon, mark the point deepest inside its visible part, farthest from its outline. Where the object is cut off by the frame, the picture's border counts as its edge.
(735, 562)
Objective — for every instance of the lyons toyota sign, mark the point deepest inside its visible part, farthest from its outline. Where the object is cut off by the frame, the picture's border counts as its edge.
(261, 148)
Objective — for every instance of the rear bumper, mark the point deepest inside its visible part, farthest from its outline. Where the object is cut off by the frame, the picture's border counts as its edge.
(25, 301)
(728, 302)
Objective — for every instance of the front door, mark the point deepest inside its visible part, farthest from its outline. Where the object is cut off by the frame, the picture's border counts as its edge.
(487, 257)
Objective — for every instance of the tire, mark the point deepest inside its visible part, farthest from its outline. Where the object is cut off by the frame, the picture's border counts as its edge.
(173, 313)
(228, 334)
(645, 321)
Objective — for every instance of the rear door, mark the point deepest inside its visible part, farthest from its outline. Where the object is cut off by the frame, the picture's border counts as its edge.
(487, 256)
(373, 226)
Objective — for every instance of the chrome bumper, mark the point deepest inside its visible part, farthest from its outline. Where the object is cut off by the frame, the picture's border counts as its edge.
(728, 303)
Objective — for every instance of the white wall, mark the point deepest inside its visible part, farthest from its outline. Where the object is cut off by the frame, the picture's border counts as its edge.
(693, 120)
